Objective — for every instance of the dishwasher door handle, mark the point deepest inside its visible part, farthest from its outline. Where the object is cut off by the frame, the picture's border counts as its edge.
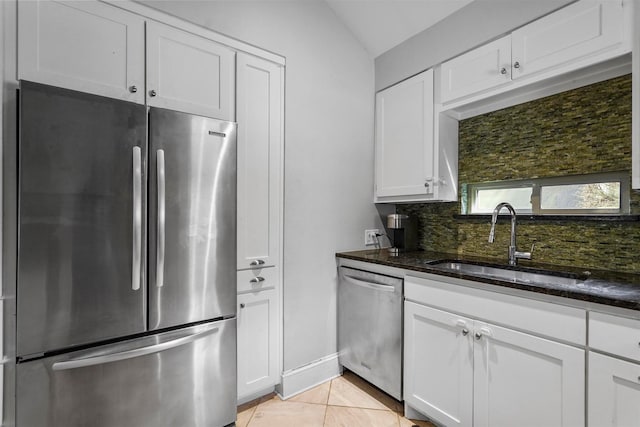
(370, 285)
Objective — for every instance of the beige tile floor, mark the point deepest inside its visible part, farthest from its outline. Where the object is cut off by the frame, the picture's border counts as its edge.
(346, 401)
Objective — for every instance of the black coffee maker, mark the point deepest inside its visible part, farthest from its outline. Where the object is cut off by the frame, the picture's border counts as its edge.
(403, 232)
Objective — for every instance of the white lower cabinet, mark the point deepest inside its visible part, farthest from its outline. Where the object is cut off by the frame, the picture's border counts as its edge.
(614, 392)
(438, 364)
(460, 371)
(524, 380)
(257, 343)
(614, 383)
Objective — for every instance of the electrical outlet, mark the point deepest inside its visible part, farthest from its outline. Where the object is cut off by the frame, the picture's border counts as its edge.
(370, 236)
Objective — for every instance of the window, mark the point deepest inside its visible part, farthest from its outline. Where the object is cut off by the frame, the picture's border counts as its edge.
(593, 194)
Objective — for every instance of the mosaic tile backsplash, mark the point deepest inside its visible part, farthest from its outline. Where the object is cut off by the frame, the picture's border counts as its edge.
(585, 130)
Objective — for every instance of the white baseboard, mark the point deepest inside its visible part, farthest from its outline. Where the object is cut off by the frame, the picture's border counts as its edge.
(298, 380)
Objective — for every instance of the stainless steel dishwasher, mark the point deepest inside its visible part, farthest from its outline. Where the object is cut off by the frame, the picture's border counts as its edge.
(370, 327)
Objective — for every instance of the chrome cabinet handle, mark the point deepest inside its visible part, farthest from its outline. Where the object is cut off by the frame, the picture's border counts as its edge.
(257, 279)
(242, 305)
(152, 93)
(465, 332)
(516, 64)
(160, 235)
(503, 70)
(256, 262)
(478, 335)
(137, 219)
(130, 354)
(133, 89)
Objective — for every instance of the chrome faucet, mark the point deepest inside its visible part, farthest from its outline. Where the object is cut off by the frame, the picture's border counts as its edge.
(514, 254)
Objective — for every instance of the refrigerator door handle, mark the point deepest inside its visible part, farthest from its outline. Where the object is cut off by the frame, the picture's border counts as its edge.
(137, 219)
(160, 245)
(130, 354)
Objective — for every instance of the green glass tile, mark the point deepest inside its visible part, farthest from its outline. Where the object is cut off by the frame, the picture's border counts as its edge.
(585, 130)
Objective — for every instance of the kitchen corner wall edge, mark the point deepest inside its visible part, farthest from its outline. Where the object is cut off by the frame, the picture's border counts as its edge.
(178, 23)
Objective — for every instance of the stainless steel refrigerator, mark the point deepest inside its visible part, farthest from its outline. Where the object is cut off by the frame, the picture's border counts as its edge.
(126, 297)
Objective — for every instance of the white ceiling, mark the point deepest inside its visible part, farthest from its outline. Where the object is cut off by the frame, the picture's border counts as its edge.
(383, 24)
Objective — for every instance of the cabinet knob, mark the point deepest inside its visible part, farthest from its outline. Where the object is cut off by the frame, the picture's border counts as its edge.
(152, 92)
(256, 262)
(503, 70)
(133, 89)
(465, 332)
(478, 335)
(242, 305)
(516, 64)
(257, 279)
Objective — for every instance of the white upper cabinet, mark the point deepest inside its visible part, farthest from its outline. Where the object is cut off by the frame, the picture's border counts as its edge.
(189, 73)
(84, 46)
(93, 47)
(416, 157)
(580, 35)
(483, 68)
(260, 123)
(581, 29)
(404, 141)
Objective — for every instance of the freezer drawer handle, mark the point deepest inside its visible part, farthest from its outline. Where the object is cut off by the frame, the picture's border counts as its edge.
(370, 285)
(137, 219)
(160, 244)
(130, 354)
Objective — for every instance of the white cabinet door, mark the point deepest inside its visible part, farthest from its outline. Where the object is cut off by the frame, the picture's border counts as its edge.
(576, 31)
(438, 364)
(189, 73)
(483, 68)
(86, 46)
(614, 392)
(524, 380)
(404, 138)
(259, 113)
(257, 342)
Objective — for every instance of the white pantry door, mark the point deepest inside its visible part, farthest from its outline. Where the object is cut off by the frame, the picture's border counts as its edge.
(259, 111)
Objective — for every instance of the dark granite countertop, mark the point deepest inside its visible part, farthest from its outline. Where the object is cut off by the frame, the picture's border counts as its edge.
(599, 286)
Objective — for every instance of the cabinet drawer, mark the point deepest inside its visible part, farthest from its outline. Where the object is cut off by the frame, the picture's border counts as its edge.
(538, 317)
(257, 279)
(615, 335)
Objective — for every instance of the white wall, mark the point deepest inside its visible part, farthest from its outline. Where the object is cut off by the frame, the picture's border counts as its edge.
(328, 150)
(469, 27)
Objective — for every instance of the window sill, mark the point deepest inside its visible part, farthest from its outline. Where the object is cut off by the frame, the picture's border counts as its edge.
(552, 218)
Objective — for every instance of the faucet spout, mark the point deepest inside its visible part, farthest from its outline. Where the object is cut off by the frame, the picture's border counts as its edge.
(513, 252)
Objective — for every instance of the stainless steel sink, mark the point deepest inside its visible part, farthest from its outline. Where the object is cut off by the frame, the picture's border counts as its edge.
(511, 275)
